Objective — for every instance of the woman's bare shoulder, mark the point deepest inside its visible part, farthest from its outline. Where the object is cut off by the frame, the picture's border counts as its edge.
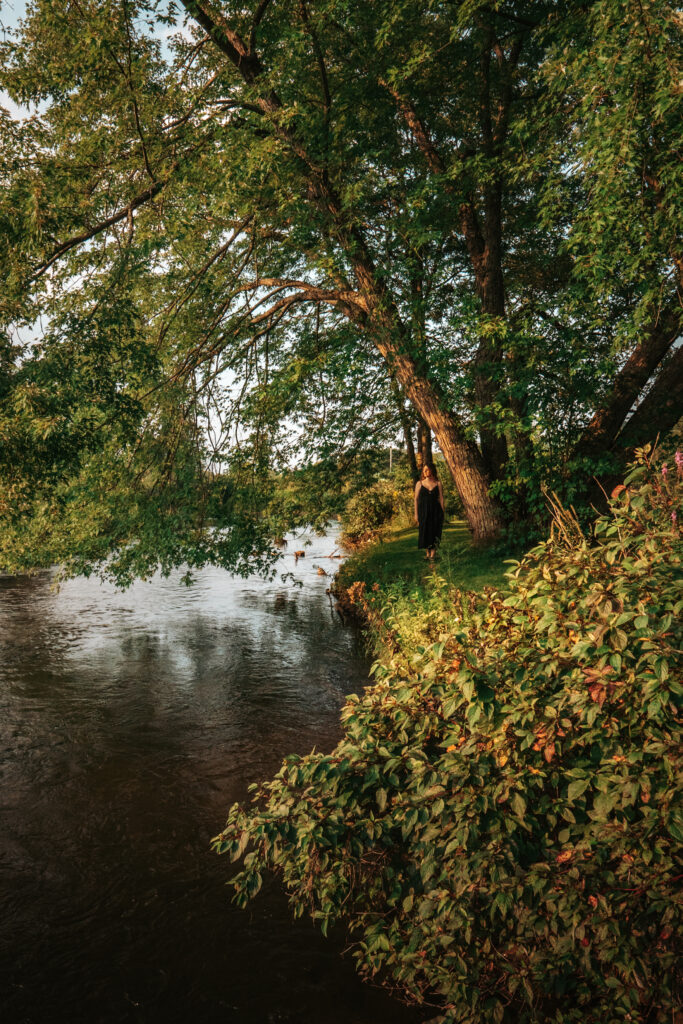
(418, 485)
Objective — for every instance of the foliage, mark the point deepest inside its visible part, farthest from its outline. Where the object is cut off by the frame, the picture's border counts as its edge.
(369, 510)
(275, 235)
(374, 506)
(500, 827)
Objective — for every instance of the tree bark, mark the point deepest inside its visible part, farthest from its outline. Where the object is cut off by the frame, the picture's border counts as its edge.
(410, 451)
(463, 458)
(375, 310)
(406, 427)
(485, 251)
(604, 427)
(424, 444)
(660, 410)
(657, 414)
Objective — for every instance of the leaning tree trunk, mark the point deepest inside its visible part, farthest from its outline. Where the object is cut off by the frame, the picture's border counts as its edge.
(657, 414)
(463, 458)
(380, 318)
(659, 411)
(468, 470)
(607, 421)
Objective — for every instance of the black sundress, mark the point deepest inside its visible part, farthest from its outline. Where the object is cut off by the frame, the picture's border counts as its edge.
(429, 517)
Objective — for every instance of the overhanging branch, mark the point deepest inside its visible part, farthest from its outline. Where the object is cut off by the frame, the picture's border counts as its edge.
(124, 213)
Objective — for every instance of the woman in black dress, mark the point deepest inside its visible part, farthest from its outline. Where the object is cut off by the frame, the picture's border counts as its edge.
(429, 510)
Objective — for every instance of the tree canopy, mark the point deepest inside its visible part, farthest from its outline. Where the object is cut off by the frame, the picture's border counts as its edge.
(236, 235)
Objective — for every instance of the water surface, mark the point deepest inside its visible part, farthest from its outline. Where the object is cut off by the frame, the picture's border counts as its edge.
(129, 722)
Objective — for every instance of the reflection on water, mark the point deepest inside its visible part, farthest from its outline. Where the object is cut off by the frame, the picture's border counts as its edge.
(129, 722)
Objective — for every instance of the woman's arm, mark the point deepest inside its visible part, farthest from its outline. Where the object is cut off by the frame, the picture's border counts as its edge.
(417, 491)
(443, 507)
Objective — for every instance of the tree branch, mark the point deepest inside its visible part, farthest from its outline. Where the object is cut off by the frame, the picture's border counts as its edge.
(260, 11)
(123, 214)
(661, 408)
(630, 381)
(320, 58)
(314, 292)
(227, 40)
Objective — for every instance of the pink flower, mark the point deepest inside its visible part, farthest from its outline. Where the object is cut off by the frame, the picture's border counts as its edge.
(678, 459)
(665, 470)
(673, 518)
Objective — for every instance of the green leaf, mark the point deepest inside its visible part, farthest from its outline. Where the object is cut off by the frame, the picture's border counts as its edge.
(518, 804)
(577, 789)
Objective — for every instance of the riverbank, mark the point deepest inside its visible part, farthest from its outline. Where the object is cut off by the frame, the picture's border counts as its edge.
(395, 559)
(392, 569)
(499, 828)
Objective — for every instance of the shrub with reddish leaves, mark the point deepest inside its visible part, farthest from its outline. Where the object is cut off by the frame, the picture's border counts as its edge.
(500, 827)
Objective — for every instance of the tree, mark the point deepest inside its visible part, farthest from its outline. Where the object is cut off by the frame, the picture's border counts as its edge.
(412, 177)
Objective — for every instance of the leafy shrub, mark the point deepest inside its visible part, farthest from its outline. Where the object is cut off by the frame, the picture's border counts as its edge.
(500, 827)
(372, 508)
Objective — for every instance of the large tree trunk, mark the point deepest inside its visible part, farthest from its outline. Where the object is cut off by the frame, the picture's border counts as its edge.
(373, 307)
(657, 414)
(660, 410)
(485, 250)
(467, 468)
(381, 319)
(604, 427)
(463, 458)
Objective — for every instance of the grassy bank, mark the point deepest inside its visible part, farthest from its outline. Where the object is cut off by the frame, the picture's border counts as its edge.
(500, 827)
(395, 562)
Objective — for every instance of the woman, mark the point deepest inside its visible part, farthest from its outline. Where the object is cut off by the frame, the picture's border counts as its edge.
(429, 510)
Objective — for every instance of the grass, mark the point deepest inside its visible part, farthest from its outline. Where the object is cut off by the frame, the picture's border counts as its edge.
(396, 559)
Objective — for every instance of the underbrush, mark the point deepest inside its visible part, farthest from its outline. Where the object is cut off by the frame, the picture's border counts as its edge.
(371, 509)
(500, 827)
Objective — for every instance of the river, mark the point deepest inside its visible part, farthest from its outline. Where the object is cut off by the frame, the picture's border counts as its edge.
(129, 722)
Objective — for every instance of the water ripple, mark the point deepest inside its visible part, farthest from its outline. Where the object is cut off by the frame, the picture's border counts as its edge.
(129, 722)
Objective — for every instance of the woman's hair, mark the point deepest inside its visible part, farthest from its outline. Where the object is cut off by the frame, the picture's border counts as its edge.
(429, 465)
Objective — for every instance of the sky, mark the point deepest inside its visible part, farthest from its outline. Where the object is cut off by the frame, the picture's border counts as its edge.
(10, 13)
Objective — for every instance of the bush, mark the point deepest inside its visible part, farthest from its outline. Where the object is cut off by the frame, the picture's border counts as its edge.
(372, 508)
(500, 828)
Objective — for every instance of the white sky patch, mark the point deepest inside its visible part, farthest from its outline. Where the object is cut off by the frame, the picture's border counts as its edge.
(11, 12)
